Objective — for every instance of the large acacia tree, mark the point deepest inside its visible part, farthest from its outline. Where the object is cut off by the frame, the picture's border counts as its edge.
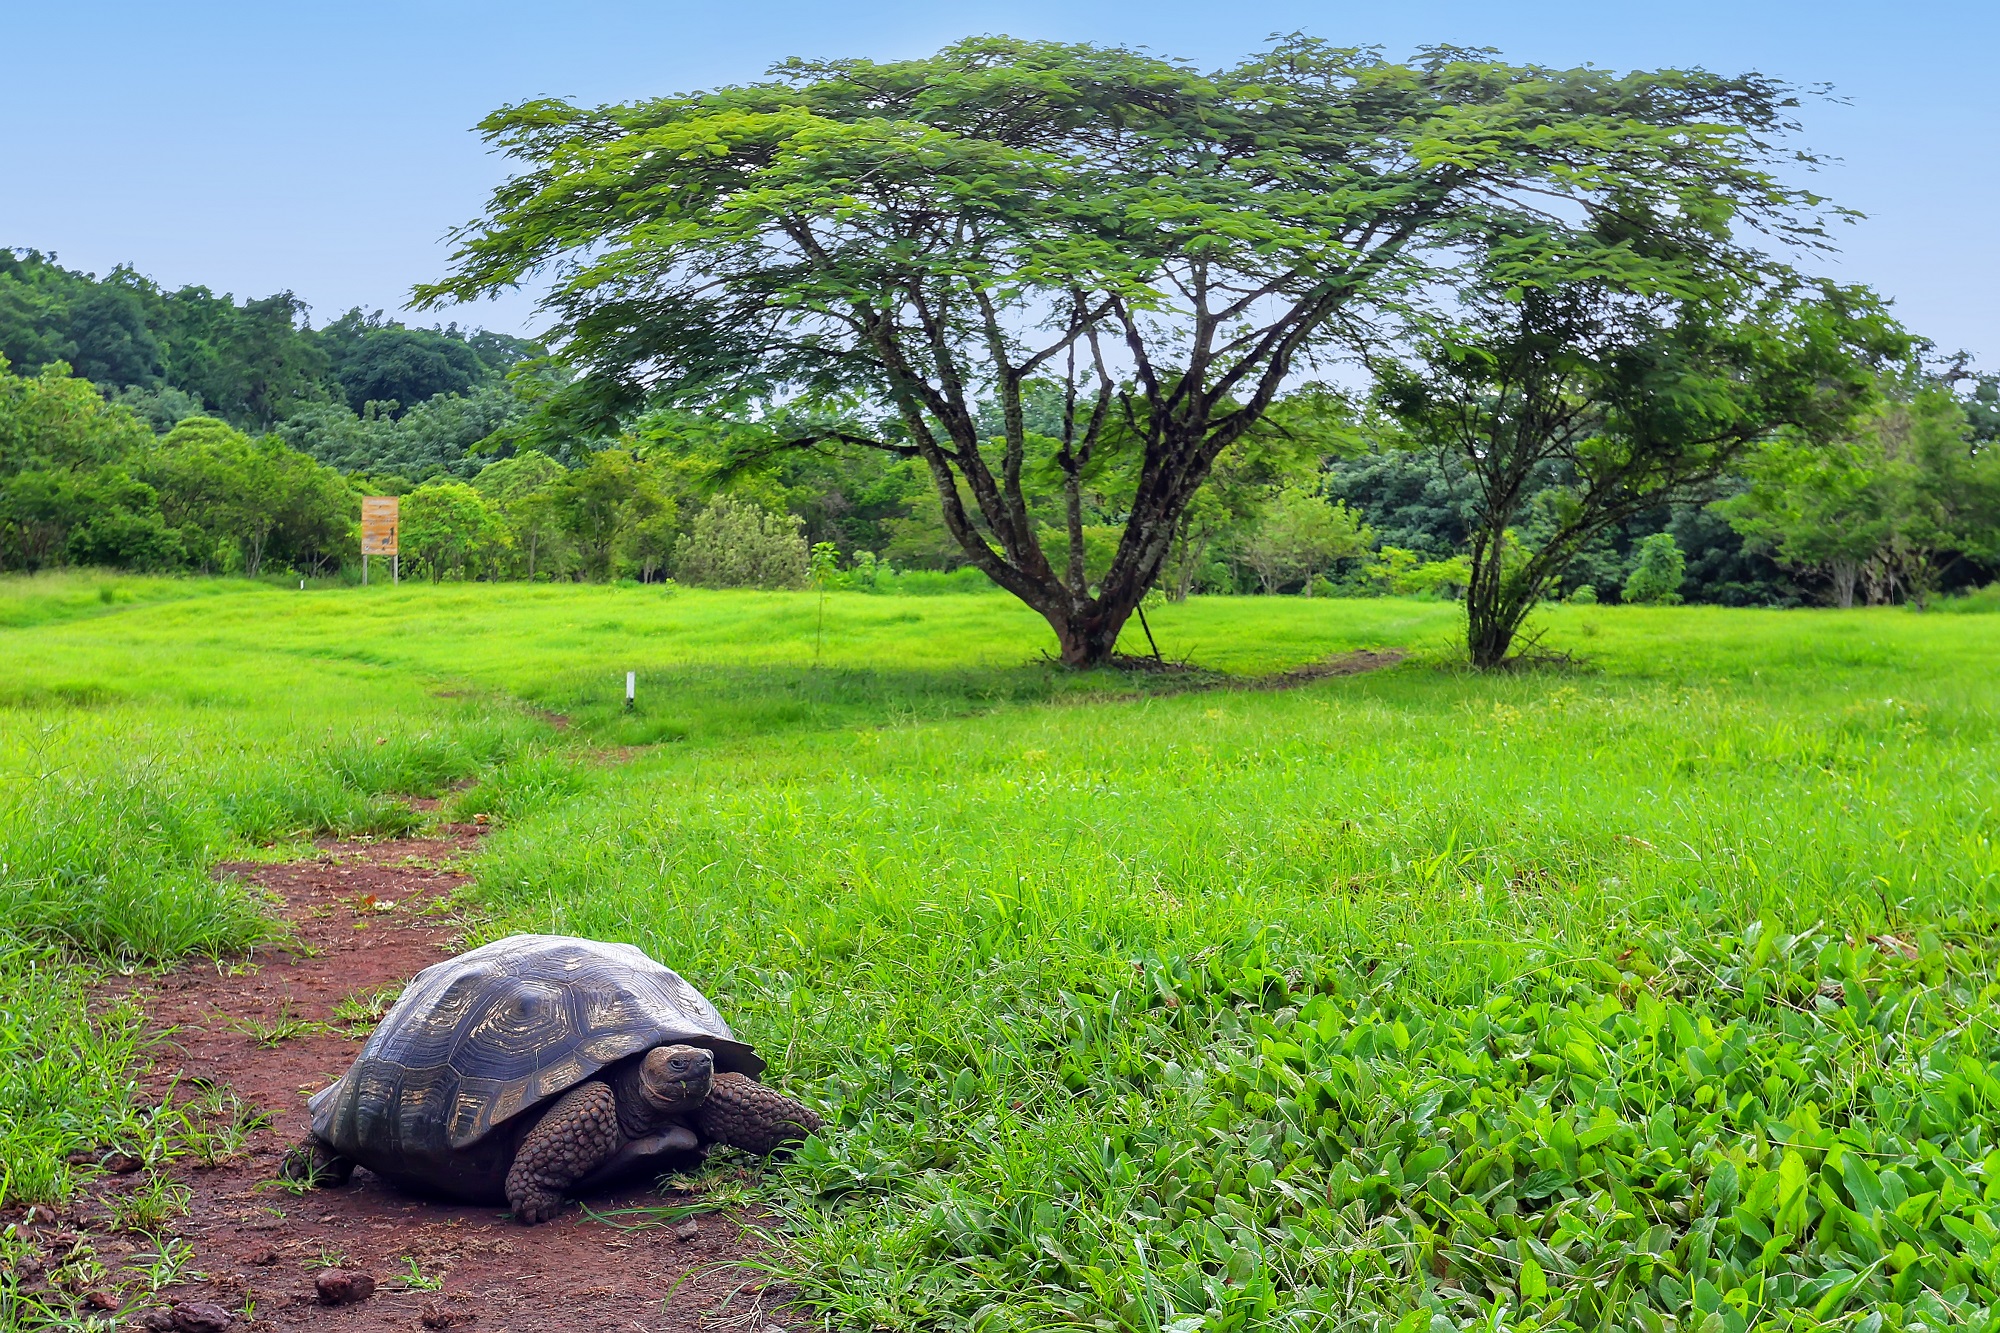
(1168, 246)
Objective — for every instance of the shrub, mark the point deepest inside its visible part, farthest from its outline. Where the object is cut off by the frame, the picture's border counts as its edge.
(739, 544)
(1585, 595)
(1986, 599)
(1402, 573)
(1656, 579)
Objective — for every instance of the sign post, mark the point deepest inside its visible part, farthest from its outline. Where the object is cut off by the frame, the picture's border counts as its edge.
(380, 521)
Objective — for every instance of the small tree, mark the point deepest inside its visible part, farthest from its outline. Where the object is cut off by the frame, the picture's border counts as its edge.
(1878, 512)
(449, 529)
(592, 500)
(736, 544)
(219, 488)
(1613, 378)
(1298, 535)
(1657, 577)
(523, 490)
(647, 527)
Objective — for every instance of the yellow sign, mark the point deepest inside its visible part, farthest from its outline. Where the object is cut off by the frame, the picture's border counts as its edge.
(379, 519)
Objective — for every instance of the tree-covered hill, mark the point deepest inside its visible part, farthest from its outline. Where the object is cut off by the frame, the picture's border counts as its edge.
(252, 363)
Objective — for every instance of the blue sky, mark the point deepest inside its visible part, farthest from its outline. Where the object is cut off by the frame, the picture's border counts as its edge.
(326, 148)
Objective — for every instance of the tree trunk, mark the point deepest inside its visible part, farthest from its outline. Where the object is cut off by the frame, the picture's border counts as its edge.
(1846, 573)
(1088, 635)
(1488, 633)
(1493, 611)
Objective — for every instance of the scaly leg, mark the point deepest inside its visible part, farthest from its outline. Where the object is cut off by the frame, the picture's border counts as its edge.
(743, 1113)
(572, 1140)
(655, 1152)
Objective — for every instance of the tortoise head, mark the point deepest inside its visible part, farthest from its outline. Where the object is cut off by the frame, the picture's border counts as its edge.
(676, 1078)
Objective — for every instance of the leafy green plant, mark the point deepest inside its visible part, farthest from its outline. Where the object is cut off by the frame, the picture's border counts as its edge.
(166, 1263)
(283, 1028)
(363, 1009)
(218, 1124)
(413, 1278)
(156, 1201)
(738, 544)
(327, 1256)
(1657, 576)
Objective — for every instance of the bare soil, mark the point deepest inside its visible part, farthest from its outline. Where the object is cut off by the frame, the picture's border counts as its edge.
(1340, 664)
(366, 917)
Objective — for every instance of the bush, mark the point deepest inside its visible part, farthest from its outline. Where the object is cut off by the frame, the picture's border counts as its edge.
(937, 582)
(1656, 579)
(1401, 573)
(1585, 595)
(1986, 599)
(739, 544)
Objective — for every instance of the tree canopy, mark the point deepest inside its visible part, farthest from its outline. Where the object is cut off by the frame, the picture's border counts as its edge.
(1164, 245)
(1603, 378)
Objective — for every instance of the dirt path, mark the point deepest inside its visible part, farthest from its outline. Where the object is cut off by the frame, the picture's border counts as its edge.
(271, 1028)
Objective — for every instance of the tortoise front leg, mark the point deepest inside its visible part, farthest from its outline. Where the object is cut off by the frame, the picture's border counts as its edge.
(579, 1132)
(743, 1113)
(676, 1142)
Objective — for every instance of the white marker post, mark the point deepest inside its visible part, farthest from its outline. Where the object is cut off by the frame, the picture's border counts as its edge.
(631, 689)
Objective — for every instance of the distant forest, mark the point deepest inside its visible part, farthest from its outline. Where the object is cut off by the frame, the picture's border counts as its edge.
(186, 430)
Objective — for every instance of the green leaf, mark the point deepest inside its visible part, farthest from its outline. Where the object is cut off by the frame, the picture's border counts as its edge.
(1863, 1187)
(1534, 1283)
(1719, 1197)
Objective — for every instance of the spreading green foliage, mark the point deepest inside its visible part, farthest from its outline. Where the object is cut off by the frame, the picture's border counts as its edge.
(885, 248)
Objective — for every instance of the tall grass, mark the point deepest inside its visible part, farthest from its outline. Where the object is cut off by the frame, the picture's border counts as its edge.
(1652, 994)
(1344, 1006)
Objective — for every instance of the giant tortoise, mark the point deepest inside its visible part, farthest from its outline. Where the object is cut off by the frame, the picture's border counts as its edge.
(538, 1065)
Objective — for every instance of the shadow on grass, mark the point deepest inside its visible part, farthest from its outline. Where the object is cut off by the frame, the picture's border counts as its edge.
(723, 703)
(713, 703)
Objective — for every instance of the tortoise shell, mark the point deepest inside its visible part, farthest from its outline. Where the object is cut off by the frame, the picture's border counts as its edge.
(436, 1098)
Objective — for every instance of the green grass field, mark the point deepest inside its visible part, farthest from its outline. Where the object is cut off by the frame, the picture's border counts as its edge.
(1652, 994)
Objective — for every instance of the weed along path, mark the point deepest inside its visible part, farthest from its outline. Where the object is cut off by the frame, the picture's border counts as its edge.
(257, 1034)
